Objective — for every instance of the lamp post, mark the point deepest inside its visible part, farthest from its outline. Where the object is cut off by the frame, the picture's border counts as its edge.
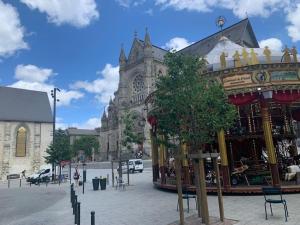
(53, 95)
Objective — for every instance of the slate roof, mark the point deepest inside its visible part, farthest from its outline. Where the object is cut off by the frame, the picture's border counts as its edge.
(24, 105)
(240, 33)
(158, 53)
(81, 132)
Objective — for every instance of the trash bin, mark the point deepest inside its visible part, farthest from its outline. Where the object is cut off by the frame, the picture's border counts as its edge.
(96, 183)
(103, 183)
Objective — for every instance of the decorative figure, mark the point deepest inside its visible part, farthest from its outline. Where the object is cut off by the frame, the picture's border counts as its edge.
(254, 59)
(294, 54)
(237, 60)
(267, 54)
(245, 55)
(223, 60)
(286, 55)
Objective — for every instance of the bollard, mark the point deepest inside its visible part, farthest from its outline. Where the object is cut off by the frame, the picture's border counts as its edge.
(74, 204)
(78, 213)
(8, 183)
(71, 192)
(93, 218)
(107, 179)
(83, 187)
(30, 183)
(20, 182)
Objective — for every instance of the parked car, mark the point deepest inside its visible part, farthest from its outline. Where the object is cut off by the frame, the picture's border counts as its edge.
(43, 175)
(134, 165)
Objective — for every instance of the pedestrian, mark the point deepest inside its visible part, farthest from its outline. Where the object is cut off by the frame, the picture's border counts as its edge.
(76, 176)
(23, 174)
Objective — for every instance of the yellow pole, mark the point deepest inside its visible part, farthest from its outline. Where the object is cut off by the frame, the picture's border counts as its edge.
(162, 160)
(154, 149)
(269, 143)
(224, 159)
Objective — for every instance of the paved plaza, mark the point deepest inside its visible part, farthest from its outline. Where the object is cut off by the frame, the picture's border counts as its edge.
(139, 204)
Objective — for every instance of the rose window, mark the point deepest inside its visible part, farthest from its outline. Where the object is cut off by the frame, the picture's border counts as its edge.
(138, 84)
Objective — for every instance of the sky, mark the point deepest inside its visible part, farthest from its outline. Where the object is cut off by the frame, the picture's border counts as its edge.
(75, 44)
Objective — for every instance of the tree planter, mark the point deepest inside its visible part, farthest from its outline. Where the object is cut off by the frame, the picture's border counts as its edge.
(96, 184)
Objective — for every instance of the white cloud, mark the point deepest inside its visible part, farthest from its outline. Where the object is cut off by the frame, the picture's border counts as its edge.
(128, 3)
(103, 87)
(149, 12)
(272, 43)
(293, 17)
(190, 5)
(91, 123)
(239, 7)
(11, 31)
(32, 73)
(177, 43)
(32, 77)
(244, 8)
(78, 13)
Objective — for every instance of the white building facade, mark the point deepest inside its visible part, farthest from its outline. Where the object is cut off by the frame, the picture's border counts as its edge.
(25, 130)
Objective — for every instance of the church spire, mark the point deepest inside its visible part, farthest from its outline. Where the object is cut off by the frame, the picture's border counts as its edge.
(122, 58)
(147, 42)
(104, 117)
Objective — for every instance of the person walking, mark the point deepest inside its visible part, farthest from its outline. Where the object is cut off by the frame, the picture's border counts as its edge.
(76, 176)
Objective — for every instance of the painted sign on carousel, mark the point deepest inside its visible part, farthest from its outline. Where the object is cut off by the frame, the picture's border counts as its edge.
(284, 75)
(260, 78)
(237, 80)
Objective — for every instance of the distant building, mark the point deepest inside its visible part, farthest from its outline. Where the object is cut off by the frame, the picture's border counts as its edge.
(75, 133)
(25, 130)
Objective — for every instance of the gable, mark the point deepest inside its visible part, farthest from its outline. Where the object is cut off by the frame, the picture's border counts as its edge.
(136, 51)
(240, 33)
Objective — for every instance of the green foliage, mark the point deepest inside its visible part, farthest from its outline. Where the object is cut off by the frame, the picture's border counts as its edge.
(188, 106)
(60, 150)
(86, 144)
(129, 136)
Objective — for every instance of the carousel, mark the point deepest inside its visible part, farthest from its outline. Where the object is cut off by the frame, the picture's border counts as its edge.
(261, 149)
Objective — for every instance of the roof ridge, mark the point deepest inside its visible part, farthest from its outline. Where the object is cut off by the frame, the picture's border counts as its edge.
(155, 46)
(22, 89)
(246, 19)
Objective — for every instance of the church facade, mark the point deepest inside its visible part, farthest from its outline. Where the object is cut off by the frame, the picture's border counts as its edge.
(25, 130)
(137, 77)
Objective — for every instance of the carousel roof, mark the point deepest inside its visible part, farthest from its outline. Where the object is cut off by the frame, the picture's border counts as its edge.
(224, 45)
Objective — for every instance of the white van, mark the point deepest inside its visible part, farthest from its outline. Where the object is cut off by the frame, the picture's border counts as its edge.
(134, 165)
(43, 175)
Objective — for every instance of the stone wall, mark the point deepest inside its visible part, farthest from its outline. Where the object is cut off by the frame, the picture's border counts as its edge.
(39, 136)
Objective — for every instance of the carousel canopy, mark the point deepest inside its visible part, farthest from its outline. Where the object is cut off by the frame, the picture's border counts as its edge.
(229, 48)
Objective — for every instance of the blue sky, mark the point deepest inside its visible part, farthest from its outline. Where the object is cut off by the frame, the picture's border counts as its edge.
(75, 44)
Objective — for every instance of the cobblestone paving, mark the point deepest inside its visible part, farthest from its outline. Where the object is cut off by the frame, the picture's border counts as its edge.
(139, 204)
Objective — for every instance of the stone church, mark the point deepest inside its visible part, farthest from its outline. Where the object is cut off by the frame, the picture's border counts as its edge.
(25, 130)
(138, 73)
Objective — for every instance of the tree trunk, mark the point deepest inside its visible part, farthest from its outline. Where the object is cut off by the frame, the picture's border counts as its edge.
(204, 205)
(197, 184)
(179, 190)
(127, 163)
(220, 197)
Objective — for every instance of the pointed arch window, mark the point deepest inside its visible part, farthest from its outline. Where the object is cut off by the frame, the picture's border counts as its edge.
(21, 142)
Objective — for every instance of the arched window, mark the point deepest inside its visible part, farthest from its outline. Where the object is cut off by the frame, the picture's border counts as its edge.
(21, 142)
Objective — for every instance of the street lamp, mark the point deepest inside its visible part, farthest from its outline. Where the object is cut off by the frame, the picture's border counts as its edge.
(53, 95)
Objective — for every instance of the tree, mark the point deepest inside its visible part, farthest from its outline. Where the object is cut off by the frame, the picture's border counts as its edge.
(129, 136)
(190, 108)
(60, 149)
(88, 144)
